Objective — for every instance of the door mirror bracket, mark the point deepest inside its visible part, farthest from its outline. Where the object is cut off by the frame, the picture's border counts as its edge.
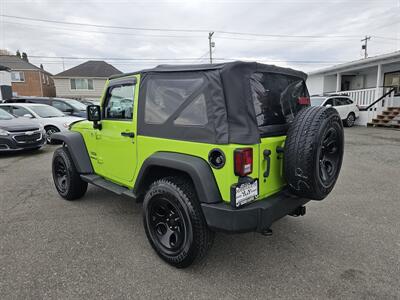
(94, 115)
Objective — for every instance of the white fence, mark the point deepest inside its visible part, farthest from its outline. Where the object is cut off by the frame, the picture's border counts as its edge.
(366, 97)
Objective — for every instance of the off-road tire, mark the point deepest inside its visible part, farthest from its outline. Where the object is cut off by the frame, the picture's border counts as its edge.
(74, 187)
(350, 120)
(314, 143)
(180, 194)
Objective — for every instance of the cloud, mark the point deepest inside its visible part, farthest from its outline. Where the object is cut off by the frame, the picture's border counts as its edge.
(305, 17)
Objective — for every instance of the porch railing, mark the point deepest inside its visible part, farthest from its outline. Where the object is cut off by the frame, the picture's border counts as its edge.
(371, 102)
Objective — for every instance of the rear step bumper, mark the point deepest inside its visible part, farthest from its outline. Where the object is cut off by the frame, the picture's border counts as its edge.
(256, 216)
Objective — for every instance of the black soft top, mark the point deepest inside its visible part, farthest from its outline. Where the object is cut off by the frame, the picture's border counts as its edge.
(231, 114)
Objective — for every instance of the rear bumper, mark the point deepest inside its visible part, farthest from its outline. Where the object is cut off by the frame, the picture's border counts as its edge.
(256, 216)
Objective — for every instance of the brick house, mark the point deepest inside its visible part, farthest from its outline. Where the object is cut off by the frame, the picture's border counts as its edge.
(28, 79)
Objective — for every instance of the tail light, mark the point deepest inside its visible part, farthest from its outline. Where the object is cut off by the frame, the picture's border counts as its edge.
(243, 161)
(304, 100)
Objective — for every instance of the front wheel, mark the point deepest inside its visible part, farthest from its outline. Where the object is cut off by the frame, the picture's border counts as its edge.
(66, 178)
(174, 222)
(49, 131)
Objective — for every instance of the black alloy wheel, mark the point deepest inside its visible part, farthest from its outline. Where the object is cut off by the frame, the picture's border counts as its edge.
(61, 179)
(329, 156)
(167, 224)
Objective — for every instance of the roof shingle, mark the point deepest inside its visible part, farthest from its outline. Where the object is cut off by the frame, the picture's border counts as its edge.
(91, 68)
(15, 63)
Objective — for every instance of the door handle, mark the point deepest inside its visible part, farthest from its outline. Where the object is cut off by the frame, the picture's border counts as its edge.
(267, 157)
(128, 134)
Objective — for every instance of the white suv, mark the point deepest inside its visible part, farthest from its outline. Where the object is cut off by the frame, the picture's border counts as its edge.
(346, 108)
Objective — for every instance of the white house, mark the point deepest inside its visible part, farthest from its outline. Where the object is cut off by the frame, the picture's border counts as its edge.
(85, 81)
(365, 81)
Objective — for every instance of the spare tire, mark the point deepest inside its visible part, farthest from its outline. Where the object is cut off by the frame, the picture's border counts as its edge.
(313, 152)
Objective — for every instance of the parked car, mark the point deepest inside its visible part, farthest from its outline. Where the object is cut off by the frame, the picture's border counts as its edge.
(346, 108)
(52, 119)
(89, 102)
(231, 147)
(67, 106)
(20, 134)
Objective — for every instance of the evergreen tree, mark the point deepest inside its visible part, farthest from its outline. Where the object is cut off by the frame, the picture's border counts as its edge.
(25, 56)
(18, 54)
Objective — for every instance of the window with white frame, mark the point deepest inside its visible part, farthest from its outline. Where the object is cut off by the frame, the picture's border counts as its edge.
(17, 77)
(392, 80)
(81, 84)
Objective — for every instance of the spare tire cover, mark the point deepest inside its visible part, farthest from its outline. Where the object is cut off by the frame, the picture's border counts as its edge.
(314, 152)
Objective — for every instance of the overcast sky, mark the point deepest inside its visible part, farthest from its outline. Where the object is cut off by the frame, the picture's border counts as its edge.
(329, 30)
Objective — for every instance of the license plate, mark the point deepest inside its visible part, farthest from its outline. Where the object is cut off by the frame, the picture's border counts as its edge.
(244, 193)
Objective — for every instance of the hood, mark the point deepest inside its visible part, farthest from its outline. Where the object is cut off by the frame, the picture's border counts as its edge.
(65, 119)
(19, 124)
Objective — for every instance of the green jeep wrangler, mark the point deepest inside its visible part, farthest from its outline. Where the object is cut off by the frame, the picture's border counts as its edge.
(231, 147)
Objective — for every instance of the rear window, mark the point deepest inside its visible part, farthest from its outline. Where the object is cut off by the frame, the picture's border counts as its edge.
(275, 97)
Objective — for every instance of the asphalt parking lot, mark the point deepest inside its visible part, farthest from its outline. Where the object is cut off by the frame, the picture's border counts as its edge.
(347, 246)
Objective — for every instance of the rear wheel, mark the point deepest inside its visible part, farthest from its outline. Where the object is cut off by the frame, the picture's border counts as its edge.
(49, 131)
(350, 120)
(66, 178)
(174, 222)
(314, 152)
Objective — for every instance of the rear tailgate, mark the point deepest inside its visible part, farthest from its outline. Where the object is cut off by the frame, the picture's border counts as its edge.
(270, 175)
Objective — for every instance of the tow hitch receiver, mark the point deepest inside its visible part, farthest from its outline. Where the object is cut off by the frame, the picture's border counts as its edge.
(300, 211)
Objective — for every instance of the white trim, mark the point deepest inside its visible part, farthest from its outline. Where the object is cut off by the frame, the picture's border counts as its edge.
(360, 64)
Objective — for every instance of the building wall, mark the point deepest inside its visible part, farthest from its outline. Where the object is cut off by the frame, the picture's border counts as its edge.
(63, 89)
(33, 85)
(315, 84)
(329, 83)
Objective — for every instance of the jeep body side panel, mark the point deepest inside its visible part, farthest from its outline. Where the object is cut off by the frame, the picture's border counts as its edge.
(77, 149)
(197, 169)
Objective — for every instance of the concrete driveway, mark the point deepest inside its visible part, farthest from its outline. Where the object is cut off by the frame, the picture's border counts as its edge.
(347, 246)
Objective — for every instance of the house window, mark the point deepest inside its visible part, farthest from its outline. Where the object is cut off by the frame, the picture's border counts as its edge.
(81, 84)
(17, 77)
(393, 80)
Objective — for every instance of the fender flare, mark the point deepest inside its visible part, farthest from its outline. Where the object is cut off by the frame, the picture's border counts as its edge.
(196, 168)
(77, 148)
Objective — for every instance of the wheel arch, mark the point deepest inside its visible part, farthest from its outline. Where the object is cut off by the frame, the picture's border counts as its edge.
(77, 148)
(164, 164)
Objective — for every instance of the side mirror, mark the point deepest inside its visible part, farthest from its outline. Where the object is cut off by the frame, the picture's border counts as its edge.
(328, 105)
(69, 110)
(28, 116)
(94, 115)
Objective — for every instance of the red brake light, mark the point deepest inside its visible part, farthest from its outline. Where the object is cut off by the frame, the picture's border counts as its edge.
(304, 101)
(243, 161)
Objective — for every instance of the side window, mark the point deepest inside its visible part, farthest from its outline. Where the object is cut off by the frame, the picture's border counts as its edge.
(165, 96)
(348, 101)
(329, 102)
(195, 114)
(119, 102)
(61, 106)
(21, 111)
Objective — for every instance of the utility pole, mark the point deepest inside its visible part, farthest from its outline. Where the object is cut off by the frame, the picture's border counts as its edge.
(211, 44)
(365, 46)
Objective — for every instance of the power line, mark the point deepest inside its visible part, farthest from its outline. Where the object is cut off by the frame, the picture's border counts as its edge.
(177, 59)
(179, 30)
